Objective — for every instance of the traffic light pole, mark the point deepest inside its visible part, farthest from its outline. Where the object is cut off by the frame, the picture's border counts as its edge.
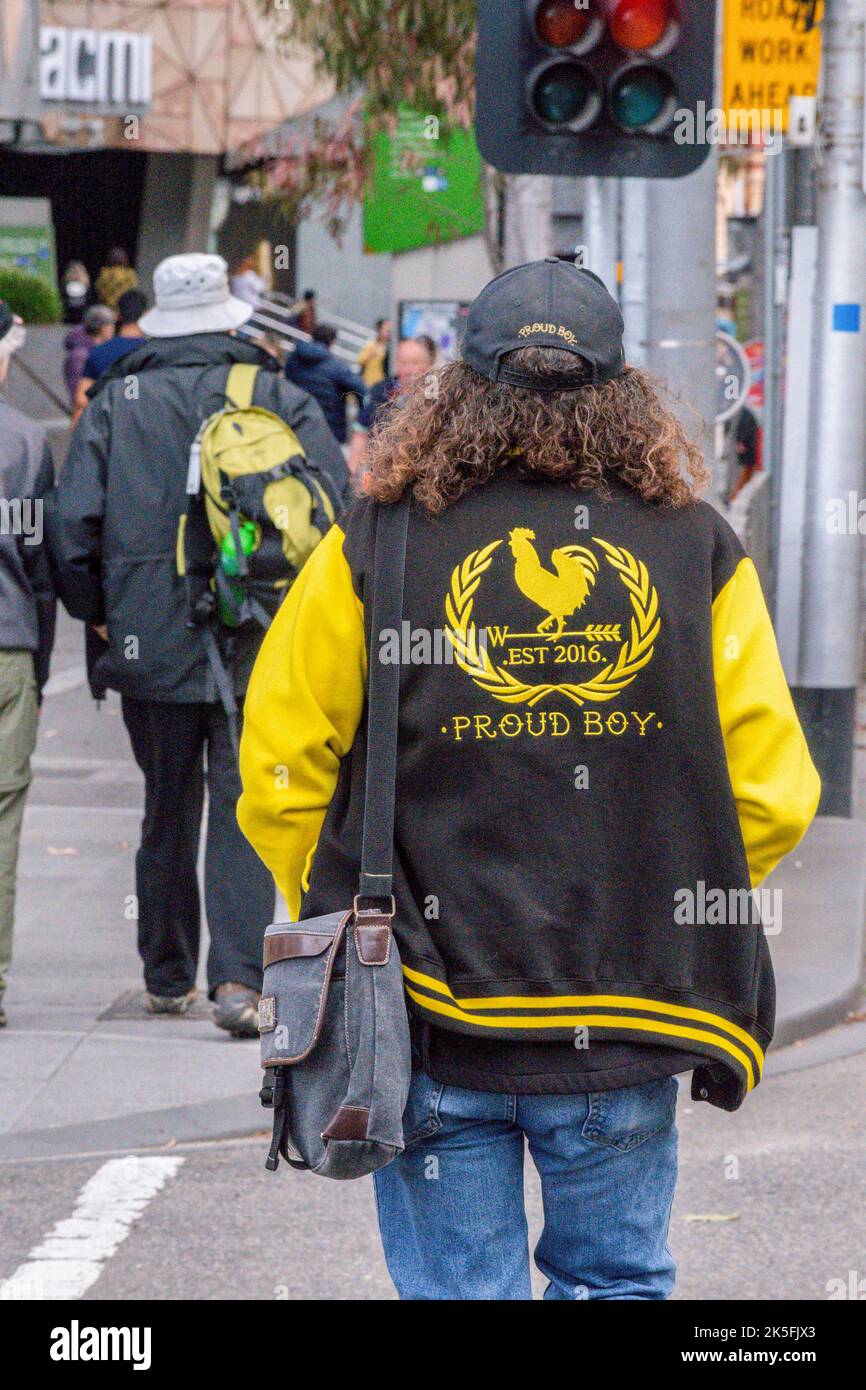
(831, 639)
(528, 218)
(634, 301)
(775, 284)
(601, 227)
(681, 275)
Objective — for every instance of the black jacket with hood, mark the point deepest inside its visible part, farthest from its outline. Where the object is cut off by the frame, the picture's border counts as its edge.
(113, 522)
(312, 367)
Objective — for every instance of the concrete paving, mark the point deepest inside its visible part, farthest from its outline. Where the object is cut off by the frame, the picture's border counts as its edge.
(820, 949)
(62, 1063)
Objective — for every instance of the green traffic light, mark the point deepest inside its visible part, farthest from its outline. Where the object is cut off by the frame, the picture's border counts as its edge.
(641, 98)
(564, 93)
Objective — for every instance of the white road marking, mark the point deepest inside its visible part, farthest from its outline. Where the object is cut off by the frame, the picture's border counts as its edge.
(62, 681)
(91, 769)
(71, 1257)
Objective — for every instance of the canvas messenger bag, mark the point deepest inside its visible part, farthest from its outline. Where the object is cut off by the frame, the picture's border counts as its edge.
(332, 1018)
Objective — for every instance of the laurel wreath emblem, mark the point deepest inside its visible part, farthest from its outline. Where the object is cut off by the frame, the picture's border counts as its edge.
(473, 658)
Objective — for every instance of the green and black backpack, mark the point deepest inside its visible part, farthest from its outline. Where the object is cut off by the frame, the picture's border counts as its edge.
(257, 508)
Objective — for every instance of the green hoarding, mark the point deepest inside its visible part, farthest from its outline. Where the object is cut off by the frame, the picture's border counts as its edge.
(29, 248)
(424, 186)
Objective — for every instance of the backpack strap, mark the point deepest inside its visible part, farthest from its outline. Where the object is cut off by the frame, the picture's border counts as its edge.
(318, 485)
(241, 385)
(224, 685)
(383, 695)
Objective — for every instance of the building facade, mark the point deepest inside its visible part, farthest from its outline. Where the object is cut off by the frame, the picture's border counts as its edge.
(119, 112)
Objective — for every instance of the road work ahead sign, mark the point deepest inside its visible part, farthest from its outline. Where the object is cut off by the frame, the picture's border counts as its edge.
(771, 52)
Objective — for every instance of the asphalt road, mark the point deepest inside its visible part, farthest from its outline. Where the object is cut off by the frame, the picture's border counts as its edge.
(770, 1207)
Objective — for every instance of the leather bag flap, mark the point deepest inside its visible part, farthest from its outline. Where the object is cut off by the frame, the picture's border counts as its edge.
(299, 960)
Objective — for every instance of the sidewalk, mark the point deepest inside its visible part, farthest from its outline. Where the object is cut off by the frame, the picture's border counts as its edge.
(83, 1069)
(76, 1060)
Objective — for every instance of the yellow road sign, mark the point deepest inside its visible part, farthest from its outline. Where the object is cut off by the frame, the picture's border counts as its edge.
(771, 50)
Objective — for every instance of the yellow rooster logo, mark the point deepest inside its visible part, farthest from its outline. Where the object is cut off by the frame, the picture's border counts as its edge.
(559, 594)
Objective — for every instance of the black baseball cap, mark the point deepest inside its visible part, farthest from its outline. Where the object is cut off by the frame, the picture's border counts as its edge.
(549, 303)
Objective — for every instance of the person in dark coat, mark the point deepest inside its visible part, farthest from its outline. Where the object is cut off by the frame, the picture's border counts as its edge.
(26, 622)
(314, 368)
(113, 535)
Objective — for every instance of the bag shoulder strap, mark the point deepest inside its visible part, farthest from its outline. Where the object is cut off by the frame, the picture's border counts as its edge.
(383, 696)
(241, 385)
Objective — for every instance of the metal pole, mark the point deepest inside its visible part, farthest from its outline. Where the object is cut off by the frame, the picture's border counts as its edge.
(831, 650)
(528, 218)
(775, 291)
(802, 187)
(681, 221)
(600, 227)
(635, 270)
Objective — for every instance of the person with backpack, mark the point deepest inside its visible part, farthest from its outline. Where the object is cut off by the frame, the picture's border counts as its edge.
(597, 759)
(143, 555)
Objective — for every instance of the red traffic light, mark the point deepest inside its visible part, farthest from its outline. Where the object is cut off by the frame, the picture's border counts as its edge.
(639, 25)
(561, 23)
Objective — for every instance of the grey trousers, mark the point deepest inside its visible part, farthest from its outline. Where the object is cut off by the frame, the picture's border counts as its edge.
(18, 722)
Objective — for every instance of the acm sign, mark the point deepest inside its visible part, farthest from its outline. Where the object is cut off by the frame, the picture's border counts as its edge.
(102, 68)
(771, 51)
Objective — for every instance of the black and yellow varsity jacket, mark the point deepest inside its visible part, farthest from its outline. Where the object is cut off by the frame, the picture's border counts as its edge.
(598, 759)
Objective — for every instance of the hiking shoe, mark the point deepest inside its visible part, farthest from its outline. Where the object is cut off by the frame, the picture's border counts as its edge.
(169, 1003)
(236, 1009)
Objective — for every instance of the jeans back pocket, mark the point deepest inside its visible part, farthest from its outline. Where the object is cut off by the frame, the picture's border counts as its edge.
(421, 1116)
(624, 1118)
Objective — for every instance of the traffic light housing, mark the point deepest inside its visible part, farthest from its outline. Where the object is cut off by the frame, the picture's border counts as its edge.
(593, 86)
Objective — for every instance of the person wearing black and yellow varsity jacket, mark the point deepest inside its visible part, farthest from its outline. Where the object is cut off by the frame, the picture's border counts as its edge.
(598, 759)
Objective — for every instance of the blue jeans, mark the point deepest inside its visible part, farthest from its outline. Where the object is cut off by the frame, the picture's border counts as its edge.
(451, 1212)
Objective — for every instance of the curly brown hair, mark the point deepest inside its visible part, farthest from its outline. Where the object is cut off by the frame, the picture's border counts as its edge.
(454, 429)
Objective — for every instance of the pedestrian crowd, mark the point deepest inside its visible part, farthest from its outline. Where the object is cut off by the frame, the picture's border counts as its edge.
(108, 550)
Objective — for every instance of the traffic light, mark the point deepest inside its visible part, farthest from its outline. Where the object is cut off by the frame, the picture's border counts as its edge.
(593, 86)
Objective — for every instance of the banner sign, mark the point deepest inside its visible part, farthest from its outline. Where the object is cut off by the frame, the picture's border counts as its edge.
(425, 186)
(771, 51)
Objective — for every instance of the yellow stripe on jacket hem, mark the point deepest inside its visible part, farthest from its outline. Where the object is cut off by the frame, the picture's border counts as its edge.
(462, 1009)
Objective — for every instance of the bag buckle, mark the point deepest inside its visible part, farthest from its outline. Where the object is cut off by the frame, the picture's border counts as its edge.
(272, 1093)
(356, 909)
(373, 933)
(273, 1097)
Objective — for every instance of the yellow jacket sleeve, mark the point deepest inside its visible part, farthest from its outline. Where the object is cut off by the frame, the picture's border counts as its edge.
(301, 714)
(776, 787)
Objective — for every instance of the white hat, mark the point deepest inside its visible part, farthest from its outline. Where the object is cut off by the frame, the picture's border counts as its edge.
(192, 296)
